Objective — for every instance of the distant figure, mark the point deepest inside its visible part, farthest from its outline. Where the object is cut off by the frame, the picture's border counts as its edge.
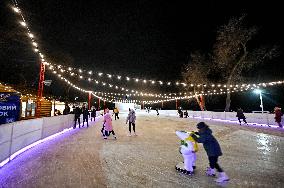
(278, 115)
(131, 118)
(185, 114)
(115, 111)
(157, 112)
(85, 116)
(240, 115)
(77, 112)
(93, 114)
(66, 109)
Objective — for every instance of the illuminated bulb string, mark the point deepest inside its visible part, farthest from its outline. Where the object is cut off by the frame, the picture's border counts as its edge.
(24, 24)
(169, 96)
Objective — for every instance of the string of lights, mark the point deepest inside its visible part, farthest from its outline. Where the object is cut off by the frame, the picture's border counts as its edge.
(223, 88)
(237, 88)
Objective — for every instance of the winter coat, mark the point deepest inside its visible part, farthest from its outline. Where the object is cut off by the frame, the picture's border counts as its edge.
(93, 114)
(108, 122)
(77, 112)
(240, 114)
(85, 113)
(115, 111)
(131, 117)
(278, 115)
(210, 143)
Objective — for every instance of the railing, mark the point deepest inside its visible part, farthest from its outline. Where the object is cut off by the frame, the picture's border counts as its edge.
(20, 134)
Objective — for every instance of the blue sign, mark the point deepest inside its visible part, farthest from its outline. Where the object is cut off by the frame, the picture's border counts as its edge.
(9, 107)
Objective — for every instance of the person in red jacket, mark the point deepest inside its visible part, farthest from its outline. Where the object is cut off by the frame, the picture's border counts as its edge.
(278, 115)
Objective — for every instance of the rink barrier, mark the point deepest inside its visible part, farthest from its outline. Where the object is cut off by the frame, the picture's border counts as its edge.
(252, 118)
(19, 136)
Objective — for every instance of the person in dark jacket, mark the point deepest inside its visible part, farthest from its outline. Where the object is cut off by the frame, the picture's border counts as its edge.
(85, 116)
(212, 149)
(93, 114)
(77, 112)
(240, 115)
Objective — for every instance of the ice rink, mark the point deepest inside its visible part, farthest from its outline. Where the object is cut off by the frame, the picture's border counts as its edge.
(252, 157)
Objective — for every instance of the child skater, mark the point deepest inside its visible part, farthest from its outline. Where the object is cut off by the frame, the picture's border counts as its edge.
(108, 125)
(212, 149)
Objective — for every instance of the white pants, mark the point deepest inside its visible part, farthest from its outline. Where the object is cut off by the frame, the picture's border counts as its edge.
(189, 161)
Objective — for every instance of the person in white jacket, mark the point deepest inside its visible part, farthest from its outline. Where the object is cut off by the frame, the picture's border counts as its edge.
(131, 118)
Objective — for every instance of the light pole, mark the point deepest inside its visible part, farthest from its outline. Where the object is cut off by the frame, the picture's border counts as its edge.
(258, 91)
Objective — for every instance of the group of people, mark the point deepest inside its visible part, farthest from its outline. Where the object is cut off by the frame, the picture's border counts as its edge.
(84, 110)
(181, 113)
(107, 127)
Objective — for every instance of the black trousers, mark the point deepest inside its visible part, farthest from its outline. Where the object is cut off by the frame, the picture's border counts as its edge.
(213, 162)
(116, 116)
(85, 119)
(133, 124)
(244, 119)
(77, 119)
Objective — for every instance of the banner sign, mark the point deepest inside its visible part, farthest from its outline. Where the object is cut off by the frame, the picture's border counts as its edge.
(9, 107)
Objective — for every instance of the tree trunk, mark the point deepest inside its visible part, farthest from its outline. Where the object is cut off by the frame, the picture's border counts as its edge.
(228, 102)
(201, 102)
(228, 99)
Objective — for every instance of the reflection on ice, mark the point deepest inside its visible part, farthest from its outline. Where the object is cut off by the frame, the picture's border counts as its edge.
(263, 142)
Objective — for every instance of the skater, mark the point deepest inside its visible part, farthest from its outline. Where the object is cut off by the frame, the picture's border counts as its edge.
(188, 149)
(240, 115)
(185, 114)
(212, 149)
(157, 110)
(108, 125)
(131, 118)
(278, 115)
(66, 110)
(115, 111)
(77, 112)
(93, 113)
(85, 116)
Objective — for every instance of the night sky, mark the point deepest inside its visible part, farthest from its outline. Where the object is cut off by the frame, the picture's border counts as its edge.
(145, 38)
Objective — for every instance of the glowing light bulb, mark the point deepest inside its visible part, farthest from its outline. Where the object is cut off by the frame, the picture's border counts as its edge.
(31, 35)
(35, 44)
(17, 10)
(23, 24)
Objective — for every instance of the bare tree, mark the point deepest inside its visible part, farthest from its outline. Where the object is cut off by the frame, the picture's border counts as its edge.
(194, 72)
(232, 54)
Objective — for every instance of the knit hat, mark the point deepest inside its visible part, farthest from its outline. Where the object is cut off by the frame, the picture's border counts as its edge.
(201, 125)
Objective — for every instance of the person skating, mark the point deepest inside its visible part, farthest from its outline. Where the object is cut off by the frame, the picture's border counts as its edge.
(278, 115)
(212, 149)
(131, 118)
(115, 111)
(240, 115)
(108, 125)
(85, 116)
(77, 112)
(157, 110)
(93, 114)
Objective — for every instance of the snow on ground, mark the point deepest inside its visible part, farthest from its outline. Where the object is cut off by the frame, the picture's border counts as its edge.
(252, 157)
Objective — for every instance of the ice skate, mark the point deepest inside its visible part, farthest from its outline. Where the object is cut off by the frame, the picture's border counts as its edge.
(210, 172)
(180, 168)
(135, 134)
(222, 177)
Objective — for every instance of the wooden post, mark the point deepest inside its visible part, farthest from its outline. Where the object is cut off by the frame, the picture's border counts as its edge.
(89, 101)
